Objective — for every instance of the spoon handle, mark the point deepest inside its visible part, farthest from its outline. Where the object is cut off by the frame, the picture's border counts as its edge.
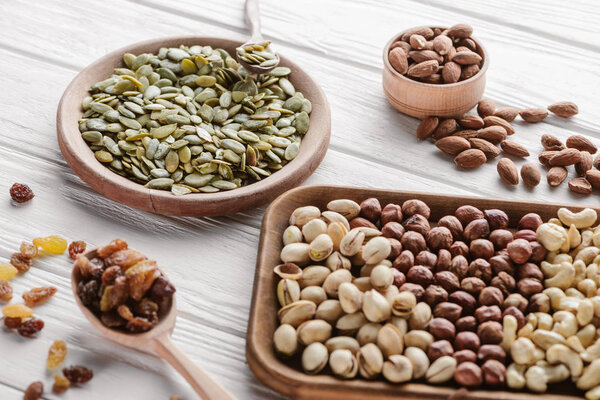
(197, 377)
(253, 17)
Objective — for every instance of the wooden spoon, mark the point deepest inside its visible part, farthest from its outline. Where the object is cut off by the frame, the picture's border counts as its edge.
(157, 340)
(253, 18)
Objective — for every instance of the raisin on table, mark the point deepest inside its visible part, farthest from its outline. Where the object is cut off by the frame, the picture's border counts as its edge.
(5, 291)
(12, 322)
(51, 244)
(31, 327)
(21, 193)
(20, 262)
(28, 250)
(56, 354)
(8, 271)
(77, 374)
(61, 384)
(17, 310)
(76, 248)
(34, 391)
(38, 296)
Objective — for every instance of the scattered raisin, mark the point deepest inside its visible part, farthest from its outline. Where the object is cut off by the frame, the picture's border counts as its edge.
(76, 248)
(51, 244)
(12, 322)
(20, 262)
(5, 291)
(61, 384)
(77, 374)
(31, 327)
(34, 391)
(17, 310)
(28, 250)
(56, 354)
(38, 296)
(110, 274)
(21, 193)
(8, 271)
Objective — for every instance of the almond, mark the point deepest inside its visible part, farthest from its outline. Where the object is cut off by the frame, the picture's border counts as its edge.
(462, 48)
(531, 174)
(507, 113)
(486, 107)
(551, 142)
(466, 57)
(565, 157)
(433, 78)
(424, 68)
(581, 143)
(450, 55)
(545, 157)
(424, 31)
(428, 45)
(469, 159)
(401, 45)
(469, 71)
(556, 175)
(417, 41)
(564, 109)
(580, 185)
(494, 134)
(426, 127)
(453, 145)
(508, 171)
(492, 120)
(514, 148)
(466, 133)
(533, 115)
(460, 31)
(488, 148)
(585, 164)
(398, 60)
(451, 72)
(446, 128)
(593, 177)
(425, 55)
(468, 43)
(470, 121)
(597, 162)
(442, 44)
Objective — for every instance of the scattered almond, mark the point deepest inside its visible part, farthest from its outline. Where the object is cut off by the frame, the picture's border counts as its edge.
(460, 31)
(469, 159)
(533, 115)
(507, 113)
(580, 185)
(551, 142)
(398, 60)
(488, 148)
(470, 121)
(492, 120)
(494, 134)
(453, 145)
(581, 143)
(564, 109)
(508, 171)
(565, 157)
(426, 127)
(585, 164)
(597, 162)
(417, 41)
(593, 177)
(556, 175)
(422, 69)
(467, 57)
(466, 133)
(531, 174)
(514, 148)
(486, 107)
(451, 72)
(445, 128)
(545, 157)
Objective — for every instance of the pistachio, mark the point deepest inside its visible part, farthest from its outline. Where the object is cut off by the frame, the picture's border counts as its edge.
(303, 215)
(381, 277)
(313, 275)
(390, 340)
(398, 368)
(337, 261)
(343, 363)
(321, 247)
(334, 280)
(296, 253)
(316, 330)
(348, 208)
(349, 324)
(288, 271)
(352, 242)
(375, 307)
(313, 228)
(403, 304)
(441, 370)
(288, 291)
(292, 234)
(285, 340)
(350, 297)
(314, 358)
(329, 310)
(297, 312)
(342, 342)
(370, 361)
(316, 294)
(376, 250)
(368, 333)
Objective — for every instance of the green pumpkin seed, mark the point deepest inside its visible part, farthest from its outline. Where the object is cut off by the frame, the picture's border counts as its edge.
(160, 183)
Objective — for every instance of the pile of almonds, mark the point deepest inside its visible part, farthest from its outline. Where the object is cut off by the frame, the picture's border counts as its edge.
(433, 55)
(474, 139)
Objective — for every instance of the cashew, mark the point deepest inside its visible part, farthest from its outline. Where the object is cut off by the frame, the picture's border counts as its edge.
(538, 355)
(564, 323)
(585, 312)
(552, 373)
(586, 241)
(555, 294)
(586, 335)
(562, 257)
(596, 301)
(551, 236)
(563, 278)
(515, 378)
(532, 319)
(580, 271)
(522, 351)
(559, 353)
(568, 303)
(510, 332)
(536, 379)
(583, 219)
(590, 376)
(572, 292)
(544, 321)
(593, 394)
(593, 273)
(550, 269)
(551, 256)
(526, 331)
(588, 287)
(592, 352)
(588, 254)
(555, 221)
(545, 339)
(574, 236)
(596, 237)
(575, 344)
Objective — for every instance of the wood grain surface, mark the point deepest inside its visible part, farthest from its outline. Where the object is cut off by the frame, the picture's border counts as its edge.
(540, 52)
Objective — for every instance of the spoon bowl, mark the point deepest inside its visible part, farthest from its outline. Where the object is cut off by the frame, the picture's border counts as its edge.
(158, 341)
(255, 69)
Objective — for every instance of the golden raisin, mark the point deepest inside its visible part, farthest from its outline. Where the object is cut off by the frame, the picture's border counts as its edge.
(76, 248)
(21, 263)
(61, 384)
(38, 296)
(51, 244)
(17, 310)
(7, 272)
(56, 354)
(5, 291)
(174, 398)
(34, 391)
(112, 247)
(125, 312)
(28, 250)
(124, 258)
(141, 277)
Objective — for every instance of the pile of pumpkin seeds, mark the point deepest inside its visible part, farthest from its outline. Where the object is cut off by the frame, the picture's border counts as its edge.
(191, 119)
(259, 54)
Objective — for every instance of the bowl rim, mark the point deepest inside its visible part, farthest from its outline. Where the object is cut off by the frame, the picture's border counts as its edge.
(134, 194)
(388, 66)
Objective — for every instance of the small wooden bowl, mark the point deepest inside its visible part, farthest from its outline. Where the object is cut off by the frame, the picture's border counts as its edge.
(421, 100)
(81, 159)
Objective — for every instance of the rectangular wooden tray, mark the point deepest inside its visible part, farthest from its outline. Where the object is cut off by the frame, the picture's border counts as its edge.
(263, 314)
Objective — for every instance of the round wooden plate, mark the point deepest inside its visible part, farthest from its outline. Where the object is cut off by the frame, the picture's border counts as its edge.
(81, 159)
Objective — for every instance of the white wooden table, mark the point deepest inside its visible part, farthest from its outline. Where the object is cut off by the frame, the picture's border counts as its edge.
(541, 52)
